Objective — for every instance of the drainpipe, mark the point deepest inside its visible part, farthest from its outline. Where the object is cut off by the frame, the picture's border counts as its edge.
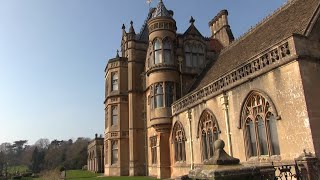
(225, 107)
(191, 140)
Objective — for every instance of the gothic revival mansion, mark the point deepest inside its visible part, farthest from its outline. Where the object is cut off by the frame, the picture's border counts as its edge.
(170, 94)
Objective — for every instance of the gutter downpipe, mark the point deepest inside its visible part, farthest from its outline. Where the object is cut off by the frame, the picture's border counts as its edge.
(191, 140)
(225, 107)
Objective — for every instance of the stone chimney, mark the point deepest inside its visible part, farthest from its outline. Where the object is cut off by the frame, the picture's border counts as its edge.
(220, 29)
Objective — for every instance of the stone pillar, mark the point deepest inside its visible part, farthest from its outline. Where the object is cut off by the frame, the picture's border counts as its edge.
(164, 155)
(309, 167)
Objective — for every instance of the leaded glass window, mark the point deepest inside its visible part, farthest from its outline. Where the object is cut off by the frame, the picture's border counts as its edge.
(208, 129)
(260, 129)
(114, 81)
(153, 147)
(157, 52)
(114, 150)
(114, 115)
(179, 139)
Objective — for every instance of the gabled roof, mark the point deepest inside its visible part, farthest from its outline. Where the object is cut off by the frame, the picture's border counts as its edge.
(293, 18)
(192, 30)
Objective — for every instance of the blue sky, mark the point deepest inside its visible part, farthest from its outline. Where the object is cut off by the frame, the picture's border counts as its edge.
(53, 54)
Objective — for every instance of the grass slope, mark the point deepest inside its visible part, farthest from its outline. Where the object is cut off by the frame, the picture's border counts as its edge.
(86, 175)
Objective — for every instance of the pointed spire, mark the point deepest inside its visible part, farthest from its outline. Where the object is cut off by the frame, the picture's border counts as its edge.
(192, 20)
(131, 30)
(161, 11)
(117, 56)
(123, 30)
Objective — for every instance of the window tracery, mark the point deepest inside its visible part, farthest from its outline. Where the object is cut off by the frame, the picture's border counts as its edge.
(162, 94)
(208, 130)
(194, 54)
(259, 124)
(179, 138)
(161, 52)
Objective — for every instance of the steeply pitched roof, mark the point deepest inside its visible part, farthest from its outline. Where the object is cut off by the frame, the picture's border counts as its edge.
(161, 11)
(294, 17)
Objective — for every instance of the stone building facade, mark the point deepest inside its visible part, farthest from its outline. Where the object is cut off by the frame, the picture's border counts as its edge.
(170, 95)
(95, 162)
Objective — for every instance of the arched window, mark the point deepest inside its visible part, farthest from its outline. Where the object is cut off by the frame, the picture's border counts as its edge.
(157, 52)
(114, 150)
(208, 130)
(179, 138)
(167, 52)
(114, 115)
(158, 95)
(114, 81)
(259, 124)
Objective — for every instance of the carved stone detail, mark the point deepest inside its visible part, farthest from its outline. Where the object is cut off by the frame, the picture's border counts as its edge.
(257, 64)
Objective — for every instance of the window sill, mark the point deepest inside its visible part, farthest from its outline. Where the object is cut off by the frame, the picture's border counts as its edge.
(265, 159)
(181, 164)
(161, 66)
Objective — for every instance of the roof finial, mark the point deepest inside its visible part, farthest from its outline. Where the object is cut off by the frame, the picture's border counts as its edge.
(117, 54)
(192, 20)
(123, 27)
(131, 30)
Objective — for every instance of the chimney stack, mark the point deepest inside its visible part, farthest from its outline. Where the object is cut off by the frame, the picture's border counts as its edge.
(220, 28)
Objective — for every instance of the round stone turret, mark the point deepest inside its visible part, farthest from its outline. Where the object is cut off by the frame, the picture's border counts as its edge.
(161, 67)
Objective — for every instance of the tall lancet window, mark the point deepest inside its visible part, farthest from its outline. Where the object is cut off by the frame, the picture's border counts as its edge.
(188, 56)
(201, 60)
(169, 93)
(208, 131)
(179, 138)
(259, 124)
(167, 52)
(114, 150)
(114, 78)
(114, 115)
(157, 52)
(158, 95)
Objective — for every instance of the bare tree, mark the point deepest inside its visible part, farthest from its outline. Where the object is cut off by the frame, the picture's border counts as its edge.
(42, 143)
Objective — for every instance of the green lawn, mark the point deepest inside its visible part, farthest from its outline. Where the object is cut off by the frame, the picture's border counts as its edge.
(14, 169)
(86, 175)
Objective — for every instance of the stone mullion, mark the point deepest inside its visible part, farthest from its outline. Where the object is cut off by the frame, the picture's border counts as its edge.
(268, 134)
(256, 130)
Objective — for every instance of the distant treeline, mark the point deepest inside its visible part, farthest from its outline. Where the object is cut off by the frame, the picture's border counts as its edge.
(44, 155)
